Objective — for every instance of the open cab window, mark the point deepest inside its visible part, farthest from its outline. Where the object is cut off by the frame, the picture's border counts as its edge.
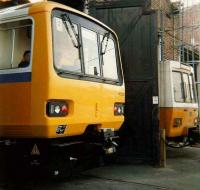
(15, 46)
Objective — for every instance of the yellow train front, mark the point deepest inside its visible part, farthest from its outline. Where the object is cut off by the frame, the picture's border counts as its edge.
(179, 105)
(61, 79)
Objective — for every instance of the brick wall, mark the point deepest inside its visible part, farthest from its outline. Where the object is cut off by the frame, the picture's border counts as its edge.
(176, 35)
(191, 31)
(170, 21)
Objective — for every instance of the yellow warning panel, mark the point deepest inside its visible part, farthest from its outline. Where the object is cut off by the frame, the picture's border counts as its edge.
(35, 150)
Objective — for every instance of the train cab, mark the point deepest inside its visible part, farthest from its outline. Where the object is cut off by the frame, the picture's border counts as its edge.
(178, 103)
(61, 77)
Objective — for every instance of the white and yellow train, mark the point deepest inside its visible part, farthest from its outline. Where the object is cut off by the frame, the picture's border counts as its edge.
(178, 101)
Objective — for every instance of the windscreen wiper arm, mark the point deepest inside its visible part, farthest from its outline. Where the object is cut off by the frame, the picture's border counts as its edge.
(107, 34)
(65, 18)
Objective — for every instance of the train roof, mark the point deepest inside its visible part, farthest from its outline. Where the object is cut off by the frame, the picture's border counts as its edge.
(33, 8)
(179, 65)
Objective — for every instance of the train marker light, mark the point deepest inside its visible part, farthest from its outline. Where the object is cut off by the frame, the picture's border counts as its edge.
(64, 109)
(177, 122)
(196, 121)
(56, 108)
(119, 109)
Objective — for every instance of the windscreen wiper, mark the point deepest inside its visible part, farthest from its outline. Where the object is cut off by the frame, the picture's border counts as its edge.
(65, 18)
(106, 35)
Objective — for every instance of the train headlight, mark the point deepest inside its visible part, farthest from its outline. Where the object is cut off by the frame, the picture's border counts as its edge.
(196, 120)
(119, 109)
(177, 122)
(56, 108)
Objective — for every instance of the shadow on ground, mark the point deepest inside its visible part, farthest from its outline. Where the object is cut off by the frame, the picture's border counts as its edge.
(182, 173)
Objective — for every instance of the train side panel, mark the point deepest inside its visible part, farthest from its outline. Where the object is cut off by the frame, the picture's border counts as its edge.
(15, 106)
(169, 115)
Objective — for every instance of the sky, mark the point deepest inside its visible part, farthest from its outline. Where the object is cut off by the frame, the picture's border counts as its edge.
(188, 3)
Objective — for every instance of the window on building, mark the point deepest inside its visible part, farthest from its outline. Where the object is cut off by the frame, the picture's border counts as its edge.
(188, 55)
(15, 38)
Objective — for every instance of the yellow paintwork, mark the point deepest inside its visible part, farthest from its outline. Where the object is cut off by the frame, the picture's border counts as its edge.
(23, 105)
(167, 116)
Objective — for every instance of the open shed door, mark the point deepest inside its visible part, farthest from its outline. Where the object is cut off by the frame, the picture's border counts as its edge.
(137, 29)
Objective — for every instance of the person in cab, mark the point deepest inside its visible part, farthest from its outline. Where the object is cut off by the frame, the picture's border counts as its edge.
(25, 60)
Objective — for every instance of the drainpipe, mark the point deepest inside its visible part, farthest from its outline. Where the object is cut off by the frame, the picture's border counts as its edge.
(86, 7)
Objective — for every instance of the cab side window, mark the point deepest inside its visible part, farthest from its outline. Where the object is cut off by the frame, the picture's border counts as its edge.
(5, 48)
(15, 38)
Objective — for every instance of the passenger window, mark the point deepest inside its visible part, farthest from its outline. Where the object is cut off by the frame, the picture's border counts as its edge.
(66, 53)
(91, 53)
(109, 62)
(186, 87)
(15, 46)
(178, 88)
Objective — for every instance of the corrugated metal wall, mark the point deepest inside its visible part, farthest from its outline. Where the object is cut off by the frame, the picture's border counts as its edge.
(136, 27)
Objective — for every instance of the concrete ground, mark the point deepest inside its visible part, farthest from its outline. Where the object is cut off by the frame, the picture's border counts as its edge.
(182, 173)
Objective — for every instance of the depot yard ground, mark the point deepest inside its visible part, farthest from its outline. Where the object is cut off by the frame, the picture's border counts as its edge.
(182, 173)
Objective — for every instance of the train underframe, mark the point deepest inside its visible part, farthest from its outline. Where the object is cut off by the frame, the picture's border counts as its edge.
(191, 139)
(58, 157)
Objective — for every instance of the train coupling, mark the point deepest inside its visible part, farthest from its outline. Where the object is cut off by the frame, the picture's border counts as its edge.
(110, 144)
